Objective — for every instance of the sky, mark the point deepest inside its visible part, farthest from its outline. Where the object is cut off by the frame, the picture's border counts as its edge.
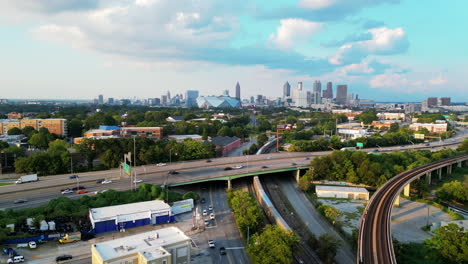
(385, 50)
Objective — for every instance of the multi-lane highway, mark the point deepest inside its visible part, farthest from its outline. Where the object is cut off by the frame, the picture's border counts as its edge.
(375, 239)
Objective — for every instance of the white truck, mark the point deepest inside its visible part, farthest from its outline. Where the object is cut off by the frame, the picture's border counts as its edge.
(27, 178)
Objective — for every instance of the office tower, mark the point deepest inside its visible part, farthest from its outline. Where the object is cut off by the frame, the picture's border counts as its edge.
(191, 98)
(226, 93)
(252, 100)
(259, 98)
(164, 100)
(168, 96)
(299, 86)
(341, 93)
(299, 96)
(100, 99)
(238, 91)
(110, 100)
(431, 101)
(328, 93)
(286, 90)
(316, 93)
(445, 101)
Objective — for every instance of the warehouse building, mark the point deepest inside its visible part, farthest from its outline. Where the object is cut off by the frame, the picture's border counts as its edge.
(342, 192)
(163, 246)
(120, 217)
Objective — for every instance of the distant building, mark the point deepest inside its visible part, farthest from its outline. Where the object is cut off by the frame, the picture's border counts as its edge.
(217, 102)
(252, 100)
(445, 101)
(342, 192)
(238, 96)
(431, 101)
(341, 94)
(191, 98)
(224, 145)
(432, 128)
(155, 133)
(169, 96)
(56, 126)
(162, 246)
(164, 100)
(328, 93)
(226, 93)
(317, 93)
(286, 90)
(14, 115)
(110, 100)
(391, 116)
(181, 138)
(299, 96)
(100, 99)
(353, 133)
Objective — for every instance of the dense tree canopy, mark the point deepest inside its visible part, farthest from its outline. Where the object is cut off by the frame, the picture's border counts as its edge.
(450, 243)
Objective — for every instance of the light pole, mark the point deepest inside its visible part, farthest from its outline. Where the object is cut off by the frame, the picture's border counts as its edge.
(134, 163)
(170, 157)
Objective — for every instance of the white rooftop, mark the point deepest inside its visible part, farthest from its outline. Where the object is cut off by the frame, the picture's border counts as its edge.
(340, 189)
(112, 211)
(184, 136)
(150, 244)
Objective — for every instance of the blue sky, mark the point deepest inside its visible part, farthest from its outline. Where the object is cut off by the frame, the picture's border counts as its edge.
(386, 50)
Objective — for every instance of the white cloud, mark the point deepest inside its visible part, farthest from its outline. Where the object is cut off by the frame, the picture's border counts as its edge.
(385, 41)
(69, 35)
(358, 68)
(316, 4)
(292, 31)
(438, 81)
(388, 80)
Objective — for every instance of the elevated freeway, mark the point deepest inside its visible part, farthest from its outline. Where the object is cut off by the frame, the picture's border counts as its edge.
(375, 238)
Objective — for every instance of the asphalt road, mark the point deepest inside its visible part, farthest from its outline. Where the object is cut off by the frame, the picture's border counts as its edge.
(313, 220)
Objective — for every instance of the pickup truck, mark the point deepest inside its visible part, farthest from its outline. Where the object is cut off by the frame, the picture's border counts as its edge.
(70, 238)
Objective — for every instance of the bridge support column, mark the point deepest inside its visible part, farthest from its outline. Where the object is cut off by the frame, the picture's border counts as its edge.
(298, 175)
(428, 176)
(449, 169)
(439, 171)
(406, 191)
(459, 164)
(397, 201)
(229, 184)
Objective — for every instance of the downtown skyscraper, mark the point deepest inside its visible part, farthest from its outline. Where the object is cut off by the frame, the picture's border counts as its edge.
(341, 94)
(316, 97)
(286, 90)
(238, 91)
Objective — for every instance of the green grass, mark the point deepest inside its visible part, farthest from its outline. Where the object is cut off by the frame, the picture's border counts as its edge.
(5, 183)
(414, 253)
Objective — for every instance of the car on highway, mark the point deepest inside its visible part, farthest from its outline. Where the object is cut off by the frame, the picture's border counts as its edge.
(67, 191)
(63, 257)
(227, 168)
(78, 188)
(19, 201)
(73, 176)
(269, 157)
(264, 167)
(238, 167)
(222, 251)
(101, 191)
(100, 180)
(106, 182)
(202, 200)
(211, 243)
(81, 191)
(208, 161)
(137, 181)
(294, 163)
(204, 212)
(210, 208)
(161, 164)
(307, 158)
(212, 216)
(172, 172)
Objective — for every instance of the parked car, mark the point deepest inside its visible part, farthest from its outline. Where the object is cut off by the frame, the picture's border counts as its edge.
(211, 243)
(81, 191)
(73, 176)
(212, 216)
(210, 208)
(106, 182)
(100, 180)
(172, 172)
(204, 212)
(67, 191)
(207, 222)
(6, 251)
(161, 164)
(15, 259)
(222, 250)
(202, 200)
(63, 257)
(32, 244)
(19, 201)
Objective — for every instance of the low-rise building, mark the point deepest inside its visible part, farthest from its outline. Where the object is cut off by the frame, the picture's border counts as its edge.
(14, 115)
(56, 126)
(224, 145)
(118, 217)
(353, 133)
(181, 138)
(342, 192)
(432, 128)
(155, 133)
(162, 246)
(391, 116)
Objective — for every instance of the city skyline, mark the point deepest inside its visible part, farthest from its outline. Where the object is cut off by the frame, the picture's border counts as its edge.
(379, 49)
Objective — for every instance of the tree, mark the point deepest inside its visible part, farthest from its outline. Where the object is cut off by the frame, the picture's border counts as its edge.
(75, 127)
(367, 117)
(225, 131)
(262, 139)
(454, 190)
(3, 145)
(327, 247)
(14, 131)
(394, 127)
(463, 146)
(28, 131)
(191, 195)
(305, 182)
(273, 245)
(39, 140)
(450, 242)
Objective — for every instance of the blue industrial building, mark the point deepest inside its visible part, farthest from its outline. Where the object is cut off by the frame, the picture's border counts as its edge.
(118, 217)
